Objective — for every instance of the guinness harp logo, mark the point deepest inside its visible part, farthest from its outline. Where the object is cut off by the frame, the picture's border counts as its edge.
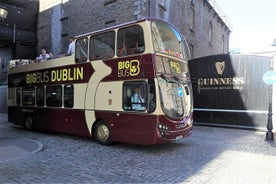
(220, 66)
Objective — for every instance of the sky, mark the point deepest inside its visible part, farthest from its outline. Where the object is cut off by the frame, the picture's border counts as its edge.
(253, 24)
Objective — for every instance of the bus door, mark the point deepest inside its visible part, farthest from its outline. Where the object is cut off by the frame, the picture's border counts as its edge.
(137, 122)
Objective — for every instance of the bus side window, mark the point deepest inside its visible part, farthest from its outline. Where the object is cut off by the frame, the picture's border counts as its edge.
(127, 98)
(18, 96)
(40, 95)
(135, 96)
(54, 96)
(69, 96)
(28, 96)
(130, 41)
(81, 50)
(102, 46)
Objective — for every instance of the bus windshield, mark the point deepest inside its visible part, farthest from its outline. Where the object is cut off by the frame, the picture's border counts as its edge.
(167, 40)
(175, 97)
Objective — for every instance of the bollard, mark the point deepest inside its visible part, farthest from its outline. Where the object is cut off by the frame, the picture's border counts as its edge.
(269, 133)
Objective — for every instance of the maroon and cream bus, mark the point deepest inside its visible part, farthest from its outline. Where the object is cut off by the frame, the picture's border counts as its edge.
(128, 83)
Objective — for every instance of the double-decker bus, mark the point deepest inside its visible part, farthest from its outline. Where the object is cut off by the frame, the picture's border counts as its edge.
(128, 83)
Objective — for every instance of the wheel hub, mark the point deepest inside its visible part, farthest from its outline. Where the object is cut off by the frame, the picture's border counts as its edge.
(103, 132)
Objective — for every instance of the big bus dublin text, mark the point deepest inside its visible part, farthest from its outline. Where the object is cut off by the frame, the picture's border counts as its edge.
(128, 83)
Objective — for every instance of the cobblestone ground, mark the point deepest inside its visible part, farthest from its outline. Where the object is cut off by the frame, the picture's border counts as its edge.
(209, 155)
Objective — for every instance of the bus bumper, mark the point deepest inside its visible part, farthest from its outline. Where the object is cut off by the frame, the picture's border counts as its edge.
(169, 136)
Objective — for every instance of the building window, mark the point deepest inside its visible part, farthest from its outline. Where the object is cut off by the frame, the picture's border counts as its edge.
(102, 46)
(162, 4)
(110, 23)
(192, 21)
(210, 33)
(191, 47)
(107, 2)
(223, 43)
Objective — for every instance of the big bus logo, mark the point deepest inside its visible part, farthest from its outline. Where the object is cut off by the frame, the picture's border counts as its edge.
(128, 68)
(55, 75)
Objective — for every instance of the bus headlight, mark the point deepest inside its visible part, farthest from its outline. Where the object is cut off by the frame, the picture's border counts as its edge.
(162, 127)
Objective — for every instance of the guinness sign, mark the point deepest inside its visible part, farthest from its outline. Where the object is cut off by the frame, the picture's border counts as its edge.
(220, 83)
(229, 90)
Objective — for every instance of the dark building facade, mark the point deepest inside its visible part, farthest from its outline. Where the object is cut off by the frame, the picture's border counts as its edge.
(205, 30)
(17, 32)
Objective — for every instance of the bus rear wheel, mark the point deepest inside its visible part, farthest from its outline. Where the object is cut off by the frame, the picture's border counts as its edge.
(102, 133)
(29, 123)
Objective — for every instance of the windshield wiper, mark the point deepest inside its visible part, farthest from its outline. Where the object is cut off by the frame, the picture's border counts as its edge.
(178, 80)
(182, 81)
(166, 78)
(171, 80)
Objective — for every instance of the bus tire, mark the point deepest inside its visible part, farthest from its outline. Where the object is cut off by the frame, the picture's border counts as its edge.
(101, 133)
(29, 122)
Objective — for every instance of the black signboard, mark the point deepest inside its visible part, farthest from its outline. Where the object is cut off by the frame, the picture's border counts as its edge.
(229, 90)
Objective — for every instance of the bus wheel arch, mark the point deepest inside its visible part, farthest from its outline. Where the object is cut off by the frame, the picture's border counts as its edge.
(102, 132)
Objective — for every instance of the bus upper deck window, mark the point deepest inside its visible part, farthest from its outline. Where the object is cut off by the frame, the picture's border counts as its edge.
(130, 41)
(81, 50)
(102, 46)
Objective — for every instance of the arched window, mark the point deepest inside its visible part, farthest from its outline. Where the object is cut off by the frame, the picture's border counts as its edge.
(192, 21)
(210, 32)
(223, 43)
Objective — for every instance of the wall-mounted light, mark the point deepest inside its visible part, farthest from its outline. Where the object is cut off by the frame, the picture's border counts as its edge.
(3, 13)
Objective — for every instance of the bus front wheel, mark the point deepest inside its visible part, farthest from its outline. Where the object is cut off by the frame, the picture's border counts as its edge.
(102, 133)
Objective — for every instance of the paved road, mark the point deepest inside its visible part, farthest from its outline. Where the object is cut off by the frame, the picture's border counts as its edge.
(209, 155)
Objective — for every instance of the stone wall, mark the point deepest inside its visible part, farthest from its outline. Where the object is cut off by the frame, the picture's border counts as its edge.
(65, 18)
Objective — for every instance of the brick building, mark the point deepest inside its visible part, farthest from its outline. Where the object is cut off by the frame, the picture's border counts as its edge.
(200, 21)
(33, 24)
